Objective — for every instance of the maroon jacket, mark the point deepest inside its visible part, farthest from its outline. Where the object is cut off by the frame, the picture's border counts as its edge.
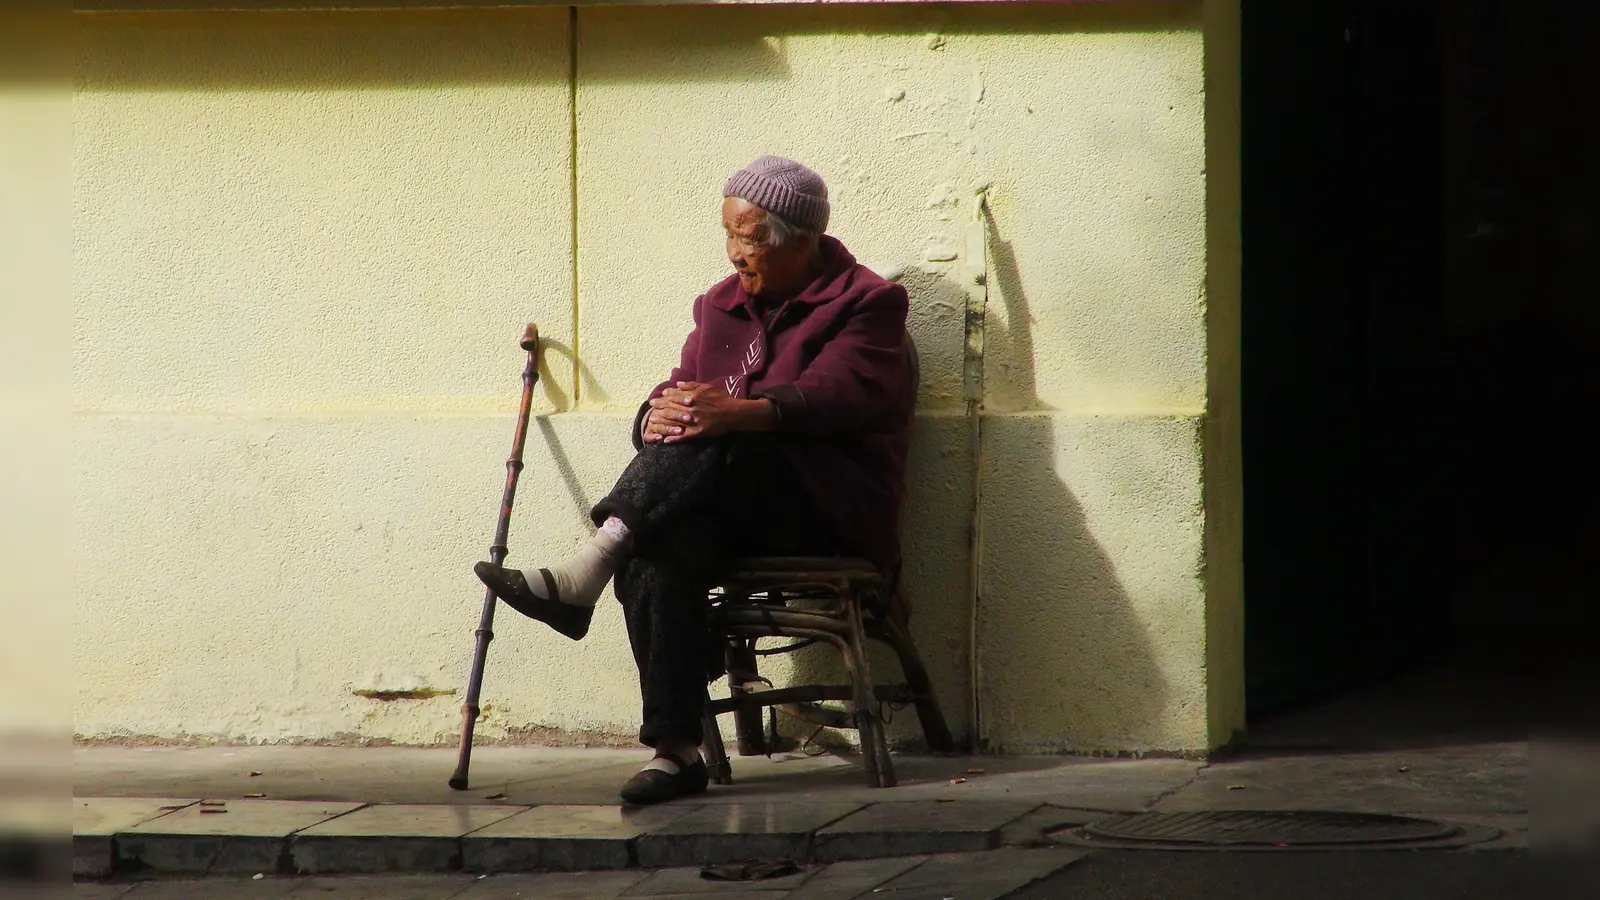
(835, 365)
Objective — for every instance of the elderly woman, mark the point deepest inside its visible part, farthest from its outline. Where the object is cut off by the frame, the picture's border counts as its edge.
(782, 431)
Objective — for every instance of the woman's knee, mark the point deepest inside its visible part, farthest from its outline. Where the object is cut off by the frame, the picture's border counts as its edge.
(664, 572)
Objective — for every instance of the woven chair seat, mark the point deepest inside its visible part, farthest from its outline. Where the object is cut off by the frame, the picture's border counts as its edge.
(799, 574)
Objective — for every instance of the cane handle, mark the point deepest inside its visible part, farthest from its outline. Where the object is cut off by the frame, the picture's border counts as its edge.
(530, 337)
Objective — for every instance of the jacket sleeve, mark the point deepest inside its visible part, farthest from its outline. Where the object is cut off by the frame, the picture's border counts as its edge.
(858, 376)
(687, 369)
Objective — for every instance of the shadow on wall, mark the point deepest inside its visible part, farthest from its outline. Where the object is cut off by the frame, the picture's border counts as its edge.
(1064, 662)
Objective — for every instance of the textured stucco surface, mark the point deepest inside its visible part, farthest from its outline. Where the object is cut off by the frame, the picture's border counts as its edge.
(1087, 125)
(1092, 613)
(305, 244)
(342, 211)
(250, 575)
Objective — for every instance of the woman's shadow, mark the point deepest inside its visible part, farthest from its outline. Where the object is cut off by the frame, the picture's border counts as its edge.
(1064, 661)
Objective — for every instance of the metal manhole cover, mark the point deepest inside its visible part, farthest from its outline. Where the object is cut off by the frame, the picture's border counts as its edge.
(1244, 829)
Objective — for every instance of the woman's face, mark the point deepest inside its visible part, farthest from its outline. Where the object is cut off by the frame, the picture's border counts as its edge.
(762, 269)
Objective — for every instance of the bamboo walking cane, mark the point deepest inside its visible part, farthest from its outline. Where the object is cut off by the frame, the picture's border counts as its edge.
(497, 555)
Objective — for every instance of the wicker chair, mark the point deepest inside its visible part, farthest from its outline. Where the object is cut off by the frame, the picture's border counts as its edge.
(840, 602)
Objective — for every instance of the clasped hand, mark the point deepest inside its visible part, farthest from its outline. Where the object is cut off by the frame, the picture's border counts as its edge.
(690, 410)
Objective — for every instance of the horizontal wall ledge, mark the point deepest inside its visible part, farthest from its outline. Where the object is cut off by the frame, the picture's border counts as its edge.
(253, 5)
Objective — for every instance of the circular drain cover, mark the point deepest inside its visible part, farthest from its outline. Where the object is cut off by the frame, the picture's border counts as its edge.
(1242, 829)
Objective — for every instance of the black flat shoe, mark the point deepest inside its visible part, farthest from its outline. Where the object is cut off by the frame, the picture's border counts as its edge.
(510, 586)
(655, 786)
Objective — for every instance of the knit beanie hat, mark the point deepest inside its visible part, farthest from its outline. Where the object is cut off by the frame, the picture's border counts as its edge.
(784, 187)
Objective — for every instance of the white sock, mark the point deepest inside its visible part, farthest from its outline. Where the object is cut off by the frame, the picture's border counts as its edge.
(583, 576)
(616, 529)
(671, 764)
(663, 764)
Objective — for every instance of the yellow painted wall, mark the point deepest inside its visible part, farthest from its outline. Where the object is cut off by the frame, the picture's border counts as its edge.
(305, 243)
(35, 531)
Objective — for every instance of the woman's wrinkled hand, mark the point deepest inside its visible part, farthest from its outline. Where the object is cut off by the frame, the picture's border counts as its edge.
(670, 416)
(658, 427)
(703, 410)
(694, 410)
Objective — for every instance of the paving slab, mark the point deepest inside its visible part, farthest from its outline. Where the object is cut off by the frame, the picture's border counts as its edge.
(921, 777)
(1032, 830)
(1465, 778)
(1471, 782)
(108, 815)
(393, 838)
(553, 886)
(565, 838)
(688, 881)
(390, 887)
(849, 880)
(531, 776)
(370, 774)
(908, 829)
(745, 892)
(799, 777)
(213, 889)
(740, 831)
(222, 837)
(1108, 785)
(99, 891)
(597, 785)
(96, 821)
(977, 876)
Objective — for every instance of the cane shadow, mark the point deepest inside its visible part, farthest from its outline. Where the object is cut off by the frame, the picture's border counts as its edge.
(560, 401)
(1065, 661)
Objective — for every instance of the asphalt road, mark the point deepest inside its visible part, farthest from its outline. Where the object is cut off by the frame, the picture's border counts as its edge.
(1415, 875)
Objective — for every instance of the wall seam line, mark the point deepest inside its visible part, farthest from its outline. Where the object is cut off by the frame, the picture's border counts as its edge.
(572, 169)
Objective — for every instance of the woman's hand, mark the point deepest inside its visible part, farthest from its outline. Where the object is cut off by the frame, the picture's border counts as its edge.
(670, 416)
(658, 426)
(695, 410)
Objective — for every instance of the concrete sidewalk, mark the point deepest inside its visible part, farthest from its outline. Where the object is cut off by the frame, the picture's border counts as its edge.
(987, 875)
(311, 810)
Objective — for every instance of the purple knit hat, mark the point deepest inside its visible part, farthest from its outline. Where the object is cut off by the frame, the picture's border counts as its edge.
(784, 187)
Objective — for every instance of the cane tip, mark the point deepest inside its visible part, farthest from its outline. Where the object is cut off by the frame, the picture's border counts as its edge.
(458, 783)
(530, 337)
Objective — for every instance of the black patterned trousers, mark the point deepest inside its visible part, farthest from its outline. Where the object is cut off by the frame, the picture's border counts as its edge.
(691, 508)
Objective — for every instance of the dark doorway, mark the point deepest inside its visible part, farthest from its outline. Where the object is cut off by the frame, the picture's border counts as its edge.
(1421, 339)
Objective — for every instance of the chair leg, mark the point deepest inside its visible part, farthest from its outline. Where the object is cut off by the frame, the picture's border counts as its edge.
(749, 739)
(934, 729)
(716, 756)
(874, 739)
